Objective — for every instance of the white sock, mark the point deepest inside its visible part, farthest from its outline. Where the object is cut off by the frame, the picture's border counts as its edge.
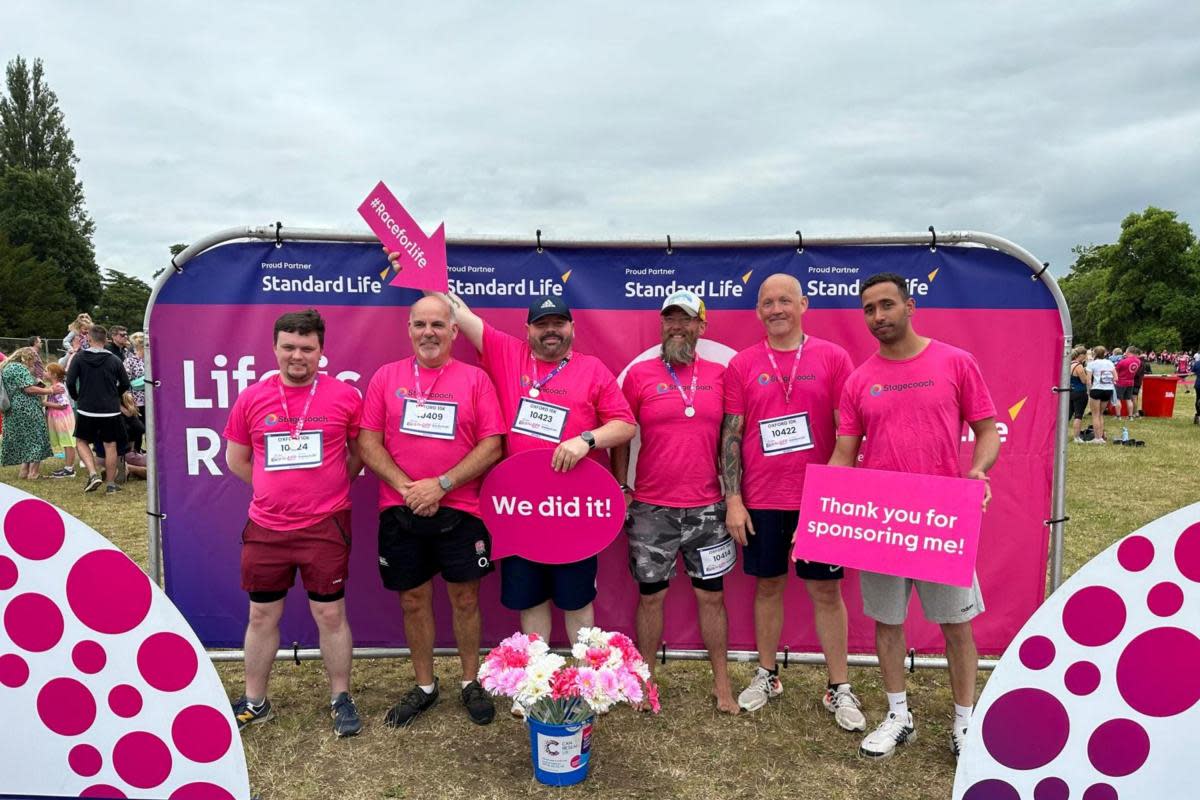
(898, 703)
(962, 715)
(465, 684)
(428, 689)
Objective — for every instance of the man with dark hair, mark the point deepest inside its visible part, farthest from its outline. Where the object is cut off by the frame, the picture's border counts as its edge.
(96, 380)
(118, 343)
(938, 387)
(292, 438)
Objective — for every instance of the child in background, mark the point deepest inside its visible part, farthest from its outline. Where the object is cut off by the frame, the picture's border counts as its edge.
(60, 420)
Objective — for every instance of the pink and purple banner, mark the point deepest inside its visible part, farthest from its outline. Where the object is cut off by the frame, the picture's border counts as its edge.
(972, 297)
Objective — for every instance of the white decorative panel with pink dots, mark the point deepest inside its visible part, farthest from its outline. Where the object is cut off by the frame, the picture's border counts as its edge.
(1098, 698)
(104, 689)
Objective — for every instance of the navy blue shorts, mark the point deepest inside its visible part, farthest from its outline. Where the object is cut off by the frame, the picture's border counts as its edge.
(769, 551)
(525, 584)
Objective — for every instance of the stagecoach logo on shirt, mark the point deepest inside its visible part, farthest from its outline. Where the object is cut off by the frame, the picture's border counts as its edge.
(880, 388)
(271, 419)
(404, 392)
(663, 388)
(766, 378)
(275, 419)
(526, 382)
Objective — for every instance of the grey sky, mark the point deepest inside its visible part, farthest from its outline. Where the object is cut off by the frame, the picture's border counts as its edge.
(1045, 123)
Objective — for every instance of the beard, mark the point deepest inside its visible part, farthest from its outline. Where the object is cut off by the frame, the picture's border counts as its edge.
(553, 351)
(679, 351)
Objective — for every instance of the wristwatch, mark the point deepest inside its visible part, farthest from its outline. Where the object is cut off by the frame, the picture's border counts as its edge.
(589, 438)
(445, 482)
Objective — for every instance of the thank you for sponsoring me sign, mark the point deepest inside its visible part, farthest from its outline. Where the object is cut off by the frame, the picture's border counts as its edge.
(547, 516)
(897, 523)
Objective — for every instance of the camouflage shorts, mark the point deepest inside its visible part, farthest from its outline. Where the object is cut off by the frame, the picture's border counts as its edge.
(658, 533)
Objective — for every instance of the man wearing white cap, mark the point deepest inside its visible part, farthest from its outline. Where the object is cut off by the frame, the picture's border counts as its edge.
(677, 506)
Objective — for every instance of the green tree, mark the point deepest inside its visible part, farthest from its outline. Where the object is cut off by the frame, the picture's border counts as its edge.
(33, 298)
(35, 211)
(1087, 282)
(34, 135)
(123, 301)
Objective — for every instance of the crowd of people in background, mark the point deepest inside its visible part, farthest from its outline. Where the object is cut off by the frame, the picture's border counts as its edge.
(1110, 382)
(88, 407)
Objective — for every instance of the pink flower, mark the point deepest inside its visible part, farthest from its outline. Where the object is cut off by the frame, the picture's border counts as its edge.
(597, 657)
(563, 684)
(652, 696)
(586, 680)
(509, 681)
(631, 687)
(609, 683)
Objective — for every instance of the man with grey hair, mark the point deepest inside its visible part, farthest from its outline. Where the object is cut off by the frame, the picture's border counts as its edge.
(781, 400)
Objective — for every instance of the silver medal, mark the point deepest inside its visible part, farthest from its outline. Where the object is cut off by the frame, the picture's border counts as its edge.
(534, 391)
(689, 412)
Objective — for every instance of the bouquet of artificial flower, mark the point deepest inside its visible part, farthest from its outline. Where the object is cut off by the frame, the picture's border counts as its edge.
(608, 669)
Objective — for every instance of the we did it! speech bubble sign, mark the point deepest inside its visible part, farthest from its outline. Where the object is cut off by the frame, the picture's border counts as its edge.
(550, 517)
(924, 527)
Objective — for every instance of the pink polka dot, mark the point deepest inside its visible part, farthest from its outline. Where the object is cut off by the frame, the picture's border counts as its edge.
(34, 529)
(1051, 789)
(1156, 673)
(1135, 553)
(1100, 791)
(1094, 616)
(13, 671)
(125, 701)
(202, 733)
(88, 657)
(1016, 743)
(1164, 599)
(85, 760)
(66, 706)
(1187, 553)
(167, 661)
(101, 790)
(8, 573)
(1082, 678)
(108, 592)
(141, 759)
(33, 622)
(1118, 747)
(1037, 652)
(992, 789)
(200, 791)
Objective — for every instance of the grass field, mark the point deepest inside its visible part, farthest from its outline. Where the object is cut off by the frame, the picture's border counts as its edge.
(791, 748)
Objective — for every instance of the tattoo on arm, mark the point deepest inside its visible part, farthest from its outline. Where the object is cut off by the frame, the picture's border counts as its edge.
(731, 452)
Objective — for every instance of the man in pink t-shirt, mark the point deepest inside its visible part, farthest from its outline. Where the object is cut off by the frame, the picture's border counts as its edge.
(431, 427)
(1127, 378)
(676, 506)
(781, 400)
(554, 399)
(292, 437)
(910, 401)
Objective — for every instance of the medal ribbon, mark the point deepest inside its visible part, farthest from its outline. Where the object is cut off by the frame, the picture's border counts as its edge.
(787, 387)
(687, 402)
(287, 415)
(422, 396)
(538, 384)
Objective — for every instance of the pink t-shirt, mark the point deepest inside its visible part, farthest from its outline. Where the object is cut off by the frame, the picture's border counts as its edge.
(754, 390)
(912, 411)
(1127, 370)
(476, 412)
(585, 387)
(677, 461)
(290, 499)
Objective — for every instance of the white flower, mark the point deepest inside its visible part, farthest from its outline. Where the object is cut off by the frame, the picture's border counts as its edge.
(538, 648)
(579, 649)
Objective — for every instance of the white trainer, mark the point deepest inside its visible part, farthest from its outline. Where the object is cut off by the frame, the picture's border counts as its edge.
(881, 743)
(762, 688)
(958, 740)
(846, 709)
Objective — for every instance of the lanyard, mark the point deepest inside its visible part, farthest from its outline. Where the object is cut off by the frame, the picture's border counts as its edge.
(536, 389)
(287, 414)
(422, 396)
(688, 402)
(787, 387)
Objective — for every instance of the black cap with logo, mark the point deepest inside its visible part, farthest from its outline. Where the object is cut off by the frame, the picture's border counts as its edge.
(547, 305)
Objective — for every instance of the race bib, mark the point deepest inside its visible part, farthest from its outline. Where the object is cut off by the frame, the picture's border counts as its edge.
(717, 559)
(540, 419)
(787, 434)
(434, 420)
(284, 452)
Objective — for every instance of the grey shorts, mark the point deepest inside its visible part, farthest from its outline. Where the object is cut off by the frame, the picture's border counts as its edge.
(885, 599)
(1127, 392)
(658, 533)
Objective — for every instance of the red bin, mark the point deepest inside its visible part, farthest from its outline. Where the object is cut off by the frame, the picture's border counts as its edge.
(1158, 395)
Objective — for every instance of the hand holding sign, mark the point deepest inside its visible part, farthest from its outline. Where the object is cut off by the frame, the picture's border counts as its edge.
(550, 517)
(421, 259)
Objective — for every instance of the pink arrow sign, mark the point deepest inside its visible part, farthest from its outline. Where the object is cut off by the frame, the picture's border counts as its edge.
(547, 516)
(422, 263)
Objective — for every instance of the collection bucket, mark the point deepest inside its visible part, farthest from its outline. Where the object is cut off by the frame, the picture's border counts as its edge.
(561, 753)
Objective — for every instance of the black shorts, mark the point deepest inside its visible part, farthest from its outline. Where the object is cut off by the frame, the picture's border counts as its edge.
(99, 429)
(1100, 394)
(1079, 403)
(525, 584)
(1126, 392)
(769, 551)
(413, 549)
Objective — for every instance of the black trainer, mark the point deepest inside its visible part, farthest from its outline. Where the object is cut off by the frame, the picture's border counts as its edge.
(249, 714)
(411, 706)
(346, 721)
(480, 706)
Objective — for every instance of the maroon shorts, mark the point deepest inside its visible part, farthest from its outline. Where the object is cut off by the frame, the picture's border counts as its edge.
(321, 552)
